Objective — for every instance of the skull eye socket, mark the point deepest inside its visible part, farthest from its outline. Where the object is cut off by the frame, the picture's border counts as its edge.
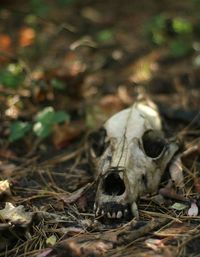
(97, 142)
(153, 143)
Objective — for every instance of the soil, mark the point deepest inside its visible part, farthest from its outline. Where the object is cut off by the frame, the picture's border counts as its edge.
(101, 53)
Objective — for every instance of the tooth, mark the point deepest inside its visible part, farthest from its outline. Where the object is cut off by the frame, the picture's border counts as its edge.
(121, 175)
(113, 215)
(119, 215)
(134, 210)
(102, 212)
(95, 207)
(109, 215)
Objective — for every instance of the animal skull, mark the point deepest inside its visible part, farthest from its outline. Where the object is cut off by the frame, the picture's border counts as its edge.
(130, 155)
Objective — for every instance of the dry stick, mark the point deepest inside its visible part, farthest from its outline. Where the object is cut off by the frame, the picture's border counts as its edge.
(62, 158)
(99, 244)
(127, 236)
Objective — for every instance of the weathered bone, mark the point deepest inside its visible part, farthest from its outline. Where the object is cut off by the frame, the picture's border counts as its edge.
(129, 159)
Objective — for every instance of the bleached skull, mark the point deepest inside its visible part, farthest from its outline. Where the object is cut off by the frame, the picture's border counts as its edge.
(129, 154)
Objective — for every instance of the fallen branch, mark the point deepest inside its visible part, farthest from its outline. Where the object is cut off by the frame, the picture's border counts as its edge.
(98, 244)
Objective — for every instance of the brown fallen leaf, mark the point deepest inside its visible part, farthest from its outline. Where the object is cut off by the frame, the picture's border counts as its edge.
(111, 104)
(124, 95)
(5, 47)
(7, 169)
(197, 184)
(26, 37)
(16, 215)
(64, 133)
(72, 64)
(169, 192)
(176, 172)
(5, 42)
(7, 153)
(81, 197)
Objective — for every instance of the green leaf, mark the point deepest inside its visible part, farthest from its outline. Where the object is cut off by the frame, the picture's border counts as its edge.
(159, 22)
(179, 206)
(156, 29)
(60, 116)
(158, 38)
(46, 115)
(42, 130)
(180, 47)
(105, 35)
(65, 2)
(46, 119)
(18, 129)
(39, 7)
(12, 76)
(57, 84)
(182, 26)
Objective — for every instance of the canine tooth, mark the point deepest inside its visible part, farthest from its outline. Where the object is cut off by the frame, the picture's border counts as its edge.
(119, 214)
(121, 175)
(109, 215)
(95, 207)
(113, 215)
(102, 212)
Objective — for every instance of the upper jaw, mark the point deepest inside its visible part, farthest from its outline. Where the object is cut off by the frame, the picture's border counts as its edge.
(113, 211)
(113, 197)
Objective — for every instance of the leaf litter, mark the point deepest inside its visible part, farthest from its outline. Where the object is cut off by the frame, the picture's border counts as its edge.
(70, 86)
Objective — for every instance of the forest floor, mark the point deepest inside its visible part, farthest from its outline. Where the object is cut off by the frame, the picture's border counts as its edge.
(64, 69)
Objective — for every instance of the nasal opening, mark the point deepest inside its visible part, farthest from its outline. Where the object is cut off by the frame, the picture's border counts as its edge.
(113, 184)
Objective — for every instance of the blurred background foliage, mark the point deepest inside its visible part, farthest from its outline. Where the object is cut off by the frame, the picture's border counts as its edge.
(59, 61)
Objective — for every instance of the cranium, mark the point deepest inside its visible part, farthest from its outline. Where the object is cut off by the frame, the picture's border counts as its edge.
(130, 155)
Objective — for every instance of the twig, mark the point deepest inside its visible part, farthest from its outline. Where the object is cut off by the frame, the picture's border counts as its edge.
(95, 244)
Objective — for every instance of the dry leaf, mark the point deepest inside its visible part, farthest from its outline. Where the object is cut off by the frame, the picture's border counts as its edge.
(16, 215)
(171, 193)
(5, 48)
(193, 210)
(176, 172)
(50, 241)
(179, 206)
(111, 104)
(5, 42)
(7, 169)
(154, 244)
(125, 95)
(75, 196)
(7, 153)
(27, 36)
(64, 133)
(159, 199)
(197, 184)
(4, 188)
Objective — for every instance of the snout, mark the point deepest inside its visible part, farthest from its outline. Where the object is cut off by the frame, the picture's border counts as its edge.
(112, 198)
